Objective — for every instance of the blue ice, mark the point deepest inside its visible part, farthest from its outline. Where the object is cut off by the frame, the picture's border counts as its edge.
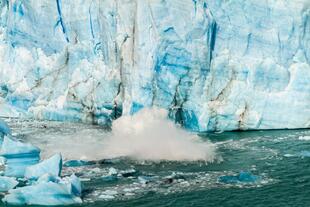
(242, 177)
(7, 183)
(4, 129)
(18, 156)
(51, 166)
(44, 193)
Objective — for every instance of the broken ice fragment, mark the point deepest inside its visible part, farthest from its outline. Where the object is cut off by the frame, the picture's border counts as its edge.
(109, 178)
(129, 173)
(78, 163)
(48, 178)
(304, 154)
(244, 177)
(44, 193)
(51, 166)
(7, 183)
(49, 190)
(18, 156)
(4, 129)
(112, 171)
(247, 177)
(11, 148)
(145, 179)
(74, 184)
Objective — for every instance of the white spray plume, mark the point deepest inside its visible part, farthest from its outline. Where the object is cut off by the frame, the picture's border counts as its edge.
(149, 135)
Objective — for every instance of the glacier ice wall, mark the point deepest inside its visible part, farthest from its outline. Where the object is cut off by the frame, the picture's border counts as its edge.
(214, 64)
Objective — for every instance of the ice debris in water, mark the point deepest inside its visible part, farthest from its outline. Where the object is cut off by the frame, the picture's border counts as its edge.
(78, 163)
(47, 192)
(304, 154)
(112, 175)
(18, 156)
(242, 177)
(305, 138)
(51, 166)
(44, 186)
(145, 179)
(7, 183)
(129, 173)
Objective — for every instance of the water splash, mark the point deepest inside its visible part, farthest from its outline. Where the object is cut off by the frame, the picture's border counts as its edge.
(149, 135)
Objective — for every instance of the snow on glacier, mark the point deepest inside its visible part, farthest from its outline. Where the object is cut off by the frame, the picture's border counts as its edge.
(214, 64)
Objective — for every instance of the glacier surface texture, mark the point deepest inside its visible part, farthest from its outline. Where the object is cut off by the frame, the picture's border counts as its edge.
(213, 64)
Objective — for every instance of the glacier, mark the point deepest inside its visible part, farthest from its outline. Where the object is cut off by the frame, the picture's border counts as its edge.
(215, 65)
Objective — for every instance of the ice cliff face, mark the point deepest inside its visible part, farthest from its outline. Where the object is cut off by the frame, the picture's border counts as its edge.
(214, 64)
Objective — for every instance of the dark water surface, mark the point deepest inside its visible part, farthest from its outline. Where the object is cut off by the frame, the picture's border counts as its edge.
(280, 158)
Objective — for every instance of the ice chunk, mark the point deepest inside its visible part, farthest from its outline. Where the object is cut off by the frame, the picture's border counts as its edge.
(304, 154)
(11, 148)
(112, 171)
(76, 186)
(129, 173)
(7, 183)
(247, 177)
(109, 178)
(243, 177)
(145, 179)
(48, 178)
(4, 128)
(52, 166)
(43, 193)
(305, 138)
(47, 190)
(112, 176)
(78, 163)
(18, 156)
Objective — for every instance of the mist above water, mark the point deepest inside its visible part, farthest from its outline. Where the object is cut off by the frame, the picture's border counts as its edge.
(149, 135)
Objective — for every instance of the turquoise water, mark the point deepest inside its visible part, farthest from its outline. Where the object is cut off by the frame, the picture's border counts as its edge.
(280, 158)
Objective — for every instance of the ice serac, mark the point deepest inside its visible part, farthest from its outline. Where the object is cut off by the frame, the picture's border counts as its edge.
(214, 64)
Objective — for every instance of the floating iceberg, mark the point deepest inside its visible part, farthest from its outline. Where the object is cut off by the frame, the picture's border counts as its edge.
(7, 183)
(46, 193)
(75, 184)
(51, 166)
(242, 177)
(18, 156)
(78, 163)
(44, 186)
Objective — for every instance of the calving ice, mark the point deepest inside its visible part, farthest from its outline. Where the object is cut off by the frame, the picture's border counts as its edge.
(214, 65)
(136, 97)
